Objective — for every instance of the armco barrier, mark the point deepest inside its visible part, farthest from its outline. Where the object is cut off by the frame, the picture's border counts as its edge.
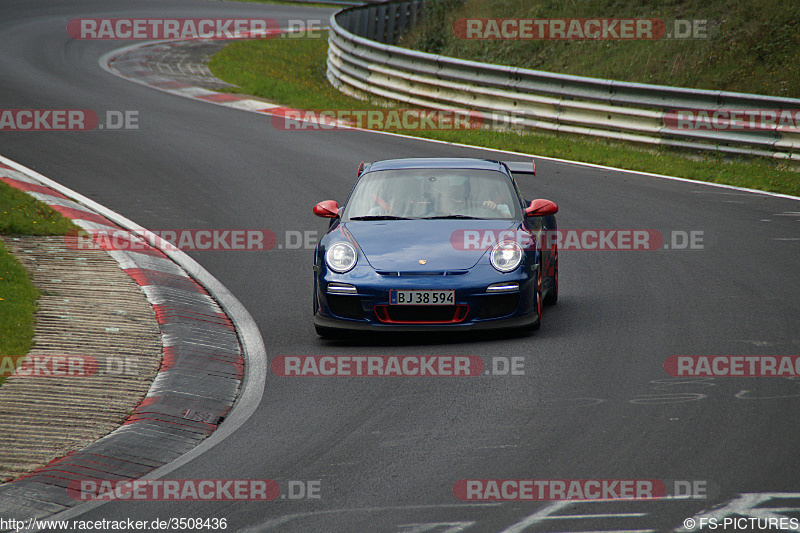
(363, 62)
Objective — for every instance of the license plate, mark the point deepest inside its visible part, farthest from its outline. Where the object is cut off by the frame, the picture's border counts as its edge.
(427, 297)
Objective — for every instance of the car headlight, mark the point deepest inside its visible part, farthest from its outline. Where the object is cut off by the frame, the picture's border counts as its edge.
(506, 256)
(341, 257)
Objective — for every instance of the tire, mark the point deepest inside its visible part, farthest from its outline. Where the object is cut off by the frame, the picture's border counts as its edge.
(552, 295)
(539, 301)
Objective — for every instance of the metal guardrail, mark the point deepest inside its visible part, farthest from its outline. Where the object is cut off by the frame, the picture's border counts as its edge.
(363, 62)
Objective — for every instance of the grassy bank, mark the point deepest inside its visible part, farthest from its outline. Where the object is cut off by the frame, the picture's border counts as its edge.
(750, 46)
(291, 72)
(21, 214)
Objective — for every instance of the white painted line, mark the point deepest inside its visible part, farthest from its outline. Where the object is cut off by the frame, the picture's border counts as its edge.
(126, 261)
(54, 200)
(252, 105)
(149, 262)
(743, 395)
(78, 221)
(192, 92)
(95, 226)
(615, 531)
(548, 513)
(452, 527)
(156, 294)
(14, 175)
(536, 517)
(589, 516)
(253, 351)
(274, 522)
(720, 192)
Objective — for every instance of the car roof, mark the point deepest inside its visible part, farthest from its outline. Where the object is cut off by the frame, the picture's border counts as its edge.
(437, 162)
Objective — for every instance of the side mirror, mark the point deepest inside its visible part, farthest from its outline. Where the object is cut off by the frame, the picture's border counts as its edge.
(327, 209)
(541, 208)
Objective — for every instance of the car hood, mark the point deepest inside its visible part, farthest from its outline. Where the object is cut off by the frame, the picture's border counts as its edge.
(399, 245)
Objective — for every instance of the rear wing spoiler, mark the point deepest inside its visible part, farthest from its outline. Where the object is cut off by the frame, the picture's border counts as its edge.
(521, 167)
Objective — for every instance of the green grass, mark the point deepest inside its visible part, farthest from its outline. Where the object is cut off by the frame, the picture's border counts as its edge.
(288, 71)
(17, 306)
(753, 46)
(291, 72)
(21, 214)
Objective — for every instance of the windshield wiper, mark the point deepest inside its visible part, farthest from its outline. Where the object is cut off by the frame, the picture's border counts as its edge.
(449, 216)
(379, 217)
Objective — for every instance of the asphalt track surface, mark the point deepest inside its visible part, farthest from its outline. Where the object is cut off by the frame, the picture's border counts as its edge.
(595, 401)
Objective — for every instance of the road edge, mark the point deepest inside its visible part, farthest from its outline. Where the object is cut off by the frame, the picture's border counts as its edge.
(252, 345)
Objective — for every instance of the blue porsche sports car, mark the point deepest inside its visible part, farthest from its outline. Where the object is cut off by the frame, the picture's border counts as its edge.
(435, 243)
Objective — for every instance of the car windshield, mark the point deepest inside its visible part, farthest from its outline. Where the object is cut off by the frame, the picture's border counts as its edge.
(432, 194)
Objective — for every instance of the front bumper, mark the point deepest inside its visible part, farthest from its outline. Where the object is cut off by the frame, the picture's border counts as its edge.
(511, 322)
(474, 309)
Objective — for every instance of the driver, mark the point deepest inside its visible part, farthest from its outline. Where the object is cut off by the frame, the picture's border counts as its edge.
(466, 193)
